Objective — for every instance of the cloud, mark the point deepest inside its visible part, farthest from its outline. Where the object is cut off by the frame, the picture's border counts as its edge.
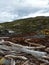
(6, 16)
(37, 3)
(15, 9)
(38, 13)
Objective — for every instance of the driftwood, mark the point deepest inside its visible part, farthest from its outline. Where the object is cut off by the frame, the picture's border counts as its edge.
(46, 57)
(33, 48)
(13, 57)
(33, 44)
(24, 49)
(34, 53)
(37, 54)
(14, 48)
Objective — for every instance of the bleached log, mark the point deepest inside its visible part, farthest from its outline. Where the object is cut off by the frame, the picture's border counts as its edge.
(26, 50)
(37, 54)
(33, 44)
(32, 48)
(43, 60)
(13, 56)
(22, 48)
(34, 53)
(27, 47)
(46, 57)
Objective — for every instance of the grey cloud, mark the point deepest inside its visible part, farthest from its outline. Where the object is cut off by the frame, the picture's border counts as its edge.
(15, 9)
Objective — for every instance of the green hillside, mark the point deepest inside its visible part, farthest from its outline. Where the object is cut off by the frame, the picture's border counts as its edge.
(36, 24)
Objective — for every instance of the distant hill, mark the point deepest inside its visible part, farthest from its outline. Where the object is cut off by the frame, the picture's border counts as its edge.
(38, 24)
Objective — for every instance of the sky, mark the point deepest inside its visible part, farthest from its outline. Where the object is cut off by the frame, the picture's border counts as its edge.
(18, 9)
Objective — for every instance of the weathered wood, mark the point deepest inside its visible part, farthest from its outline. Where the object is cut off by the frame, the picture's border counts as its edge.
(15, 57)
(14, 48)
(26, 50)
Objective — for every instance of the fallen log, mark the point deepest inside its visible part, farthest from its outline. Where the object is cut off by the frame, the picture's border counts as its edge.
(46, 57)
(13, 57)
(43, 60)
(27, 50)
(31, 44)
(38, 47)
(18, 57)
(34, 53)
(24, 49)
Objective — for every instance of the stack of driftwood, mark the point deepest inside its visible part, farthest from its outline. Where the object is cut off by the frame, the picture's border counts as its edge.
(17, 54)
